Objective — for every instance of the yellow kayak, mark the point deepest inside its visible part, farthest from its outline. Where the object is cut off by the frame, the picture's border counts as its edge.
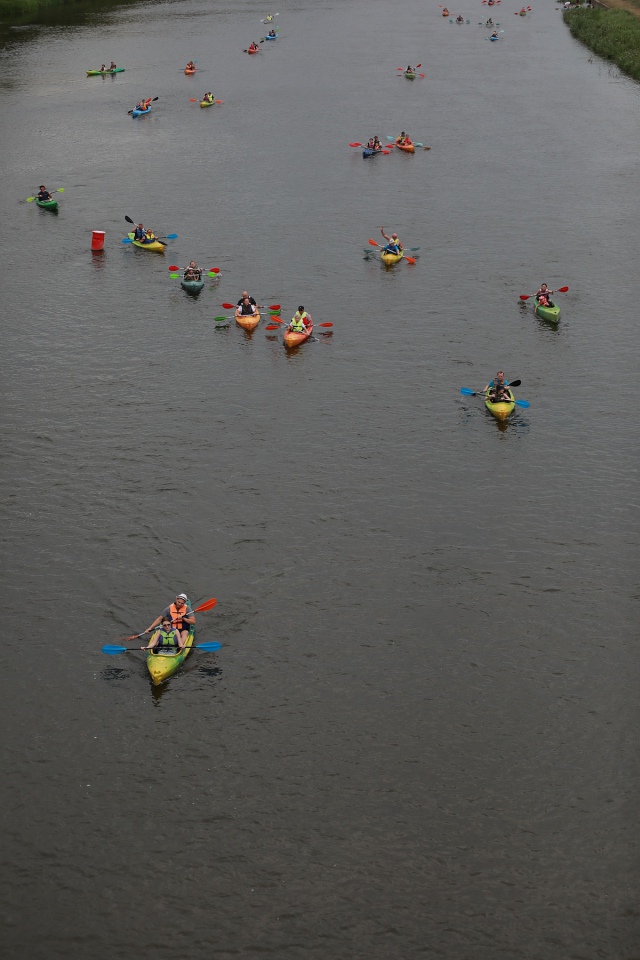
(155, 245)
(503, 408)
(390, 258)
(163, 665)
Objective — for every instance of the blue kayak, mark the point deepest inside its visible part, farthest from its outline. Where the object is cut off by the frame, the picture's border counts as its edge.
(271, 38)
(368, 152)
(140, 113)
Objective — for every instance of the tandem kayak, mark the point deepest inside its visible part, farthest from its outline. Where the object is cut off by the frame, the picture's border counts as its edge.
(407, 147)
(207, 103)
(47, 204)
(163, 665)
(156, 246)
(246, 321)
(104, 73)
(192, 286)
(550, 313)
(140, 113)
(502, 409)
(390, 258)
(293, 340)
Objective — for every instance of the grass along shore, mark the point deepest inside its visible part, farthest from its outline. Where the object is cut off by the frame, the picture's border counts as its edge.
(23, 12)
(613, 34)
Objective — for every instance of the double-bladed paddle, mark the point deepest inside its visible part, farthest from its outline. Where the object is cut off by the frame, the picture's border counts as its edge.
(59, 190)
(201, 608)
(195, 100)
(480, 393)
(111, 649)
(527, 296)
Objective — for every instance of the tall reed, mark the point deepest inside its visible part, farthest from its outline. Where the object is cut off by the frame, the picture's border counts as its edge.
(612, 34)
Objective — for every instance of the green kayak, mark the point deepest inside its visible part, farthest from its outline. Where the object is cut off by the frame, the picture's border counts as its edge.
(410, 75)
(104, 73)
(47, 204)
(550, 313)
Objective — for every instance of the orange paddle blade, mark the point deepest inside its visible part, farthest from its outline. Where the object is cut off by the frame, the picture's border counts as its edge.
(410, 259)
(325, 324)
(207, 605)
(373, 243)
(272, 326)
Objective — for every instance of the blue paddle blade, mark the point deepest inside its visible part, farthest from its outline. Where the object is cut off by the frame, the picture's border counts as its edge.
(209, 645)
(111, 649)
(522, 403)
(127, 240)
(467, 392)
(172, 236)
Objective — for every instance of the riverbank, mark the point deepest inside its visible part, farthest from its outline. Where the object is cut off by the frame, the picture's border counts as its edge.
(24, 12)
(613, 34)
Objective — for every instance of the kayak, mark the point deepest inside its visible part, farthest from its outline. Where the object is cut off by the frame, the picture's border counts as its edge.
(163, 665)
(104, 73)
(550, 313)
(369, 152)
(501, 409)
(407, 147)
(292, 340)
(494, 38)
(248, 322)
(390, 258)
(250, 51)
(192, 286)
(189, 72)
(47, 204)
(271, 38)
(140, 113)
(410, 75)
(156, 246)
(207, 103)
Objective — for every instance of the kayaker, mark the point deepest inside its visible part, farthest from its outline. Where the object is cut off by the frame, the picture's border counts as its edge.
(268, 19)
(178, 615)
(190, 66)
(494, 35)
(113, 66)
(300, 322)
(394, 245)
(166, 638)
(43, 194)
(499, 394)
(459, 19)
(139, 233)
(208, 98)
(403, 139)
(245, 296)
(376, 143)
(246, 308)
(272, 32)
(409, 70)
(544, 291)
(193, 271)
(498, 381)
(103, 68)
(149, 236)
(489, 22)
(253, 47)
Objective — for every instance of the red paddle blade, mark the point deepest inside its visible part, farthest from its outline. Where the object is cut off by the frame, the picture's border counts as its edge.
(214, 270)
(562, 289)
(325, 324)
(355, 144)
(373, 243)
(173, 269)
(228, 306)
(524, 296)
(386, 152)
(274, 306)
(421, 75)
(207, 605)
(272, 326)
(192, 100)
(410, 259)
(418, 65)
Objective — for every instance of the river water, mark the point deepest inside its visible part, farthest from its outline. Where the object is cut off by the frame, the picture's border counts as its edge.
(419, 738)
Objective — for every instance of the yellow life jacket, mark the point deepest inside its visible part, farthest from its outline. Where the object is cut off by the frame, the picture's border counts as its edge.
(297, 323)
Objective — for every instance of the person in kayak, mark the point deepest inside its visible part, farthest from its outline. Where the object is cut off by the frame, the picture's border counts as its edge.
(499, 394)
(192, 272)
(180, 617)
(245, 296)
(143, 105)
(403, 139)
(544, 292)
(376, 143)
(139, 233)
(489, 22)
(149, 236)
(494, 35)
(498, 381)
(253, 47)
(459, 19)
(166, 638)
(394, 245)
(208, 98)
(409, 70)
(190, 66)
(246, 308)
(43, 194)
(272, 32)
(300, 323)
(113, 66)
(103, 68)
(268, 19)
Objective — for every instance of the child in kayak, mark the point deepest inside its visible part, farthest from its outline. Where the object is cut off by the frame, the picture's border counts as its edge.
(149, 236)
(300, 322)
(43, 194)
(272, 33)
(376, 143)
(103, 68)
(394, 245)
(165, 638)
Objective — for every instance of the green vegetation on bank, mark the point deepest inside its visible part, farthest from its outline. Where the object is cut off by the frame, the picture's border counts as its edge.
(612, 34)
(20, 10)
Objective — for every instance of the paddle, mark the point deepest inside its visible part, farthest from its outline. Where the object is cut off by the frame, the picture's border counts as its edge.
(480, 393)
(201, 608)
(169, 236)
(111, 649)
(195, 100)
(285, 324)
(525, 296)
(131, 111)
(411, 260)
(59, 190)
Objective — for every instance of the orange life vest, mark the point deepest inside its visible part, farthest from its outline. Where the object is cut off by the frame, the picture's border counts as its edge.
(176, 617)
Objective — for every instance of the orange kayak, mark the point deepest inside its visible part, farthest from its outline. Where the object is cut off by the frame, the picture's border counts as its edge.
(189, 72)
(408, 147)
(248, 322)
(253, 51)
(292, 340)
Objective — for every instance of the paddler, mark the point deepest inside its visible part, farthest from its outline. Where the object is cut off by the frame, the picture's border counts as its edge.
(499, 394)
(103, 68)
(409, 70)
(43, 194)
(166, 638)
(208, 98)
(459, 18)
(403, 139)
(300, 322)
(245, 296)
(179, 616)
(193, 271)
(268, 19)
(494, 35)
(246, 308)
(394, 245)
(139, 233)
(544, 292)
(254, 46)
(190, 66)
(113, 66)
(376, 143)
(272, 32)
(149, 236)
(489, 22)
(498, 384)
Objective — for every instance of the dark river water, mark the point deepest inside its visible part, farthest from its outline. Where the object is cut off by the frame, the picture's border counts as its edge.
(419, 739)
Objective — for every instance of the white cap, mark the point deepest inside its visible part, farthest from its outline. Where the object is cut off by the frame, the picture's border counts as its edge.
(182, 596)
